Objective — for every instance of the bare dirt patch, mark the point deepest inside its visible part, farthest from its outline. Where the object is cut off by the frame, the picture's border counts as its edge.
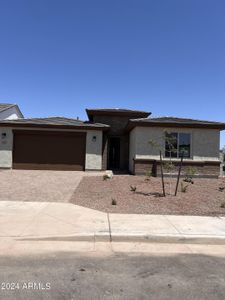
(202, 198)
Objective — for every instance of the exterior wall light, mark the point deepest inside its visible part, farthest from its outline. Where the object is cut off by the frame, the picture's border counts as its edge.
(3, 135)
(94, 138)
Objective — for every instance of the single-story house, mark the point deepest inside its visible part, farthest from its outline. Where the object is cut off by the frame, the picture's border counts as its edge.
(118, 139)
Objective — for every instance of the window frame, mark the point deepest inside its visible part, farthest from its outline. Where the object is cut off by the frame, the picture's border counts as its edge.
(178, 145)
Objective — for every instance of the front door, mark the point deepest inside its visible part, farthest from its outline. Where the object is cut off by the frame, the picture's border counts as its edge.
(114, 153)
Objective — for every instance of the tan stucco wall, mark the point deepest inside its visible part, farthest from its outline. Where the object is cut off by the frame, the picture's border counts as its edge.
(6, 145)
(93, 150)
(204, 142)
(93, 159)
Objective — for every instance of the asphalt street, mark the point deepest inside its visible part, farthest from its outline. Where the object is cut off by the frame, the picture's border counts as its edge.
(76, 276)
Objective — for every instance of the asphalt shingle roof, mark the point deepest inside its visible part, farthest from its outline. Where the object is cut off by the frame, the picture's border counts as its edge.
(118, 111)
(177, 122)
(4, 106)
(53, 121)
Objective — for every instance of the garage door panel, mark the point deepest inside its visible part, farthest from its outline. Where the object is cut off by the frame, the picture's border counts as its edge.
(49, 150)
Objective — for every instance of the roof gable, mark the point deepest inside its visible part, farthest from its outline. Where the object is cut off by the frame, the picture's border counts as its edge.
(6, 106)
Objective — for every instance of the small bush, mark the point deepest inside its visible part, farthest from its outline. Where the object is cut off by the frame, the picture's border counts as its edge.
(148, 174)
(114, 202)
(222, 205)
(189, 174)
(168, 166)
(189, 180)
(133, 188)
(184, 187)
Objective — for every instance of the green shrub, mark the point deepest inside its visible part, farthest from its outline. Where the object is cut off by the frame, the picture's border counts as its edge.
(168, 166)
(189, 174)
(148, 175)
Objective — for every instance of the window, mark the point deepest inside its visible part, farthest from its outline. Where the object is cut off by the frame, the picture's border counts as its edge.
(171, 144)
(178, 145)
(185, 145)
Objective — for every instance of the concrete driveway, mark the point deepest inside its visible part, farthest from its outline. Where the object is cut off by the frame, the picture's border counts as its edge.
(35, 185)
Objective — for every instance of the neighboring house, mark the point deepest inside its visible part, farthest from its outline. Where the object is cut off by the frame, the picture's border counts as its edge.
(117, 139)
(10, 111)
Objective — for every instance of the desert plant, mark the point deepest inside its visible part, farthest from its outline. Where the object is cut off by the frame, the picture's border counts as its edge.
(148, 175)
(114, 202)
(221, 188)
(189, 174)
(222, 205)
(184, 187)
(133, 188)
(168, 166)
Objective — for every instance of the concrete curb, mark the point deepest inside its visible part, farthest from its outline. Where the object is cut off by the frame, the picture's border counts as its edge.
(193, 239)
(171, 239)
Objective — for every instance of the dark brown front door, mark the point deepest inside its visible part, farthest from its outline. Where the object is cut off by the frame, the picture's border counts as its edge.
(114, 153)
(49, 150)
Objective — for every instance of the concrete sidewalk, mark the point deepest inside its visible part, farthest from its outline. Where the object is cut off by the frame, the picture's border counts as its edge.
(35, 221)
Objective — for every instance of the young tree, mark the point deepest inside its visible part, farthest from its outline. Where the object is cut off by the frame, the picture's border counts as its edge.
(170, 141)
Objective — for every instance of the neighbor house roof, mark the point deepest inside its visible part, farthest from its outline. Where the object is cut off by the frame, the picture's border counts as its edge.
(53, 122)
(5, 106)
(117, 111)
(175, 122)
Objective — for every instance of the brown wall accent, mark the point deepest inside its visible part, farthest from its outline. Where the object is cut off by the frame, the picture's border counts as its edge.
(203, 169)
(117, 129)
(49, 150)
(117, 123)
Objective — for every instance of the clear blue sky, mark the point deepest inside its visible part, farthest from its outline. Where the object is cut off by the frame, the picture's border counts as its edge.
(168, 57)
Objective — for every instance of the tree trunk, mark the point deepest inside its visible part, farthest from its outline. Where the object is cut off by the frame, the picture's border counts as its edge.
(161, 166)
(178, 177)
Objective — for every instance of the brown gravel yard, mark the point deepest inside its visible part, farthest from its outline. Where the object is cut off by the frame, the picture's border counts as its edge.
(202, 198)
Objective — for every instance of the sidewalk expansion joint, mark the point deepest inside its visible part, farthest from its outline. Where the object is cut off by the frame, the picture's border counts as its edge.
(110, 232)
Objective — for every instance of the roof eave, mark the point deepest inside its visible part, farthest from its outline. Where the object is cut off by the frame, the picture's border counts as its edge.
(51, 126)
(91, 112)
(133, 124)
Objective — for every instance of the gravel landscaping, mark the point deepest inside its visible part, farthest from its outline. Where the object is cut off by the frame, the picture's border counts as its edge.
(201, 198)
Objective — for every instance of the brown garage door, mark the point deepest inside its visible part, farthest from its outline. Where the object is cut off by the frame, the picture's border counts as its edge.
(46, 150)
